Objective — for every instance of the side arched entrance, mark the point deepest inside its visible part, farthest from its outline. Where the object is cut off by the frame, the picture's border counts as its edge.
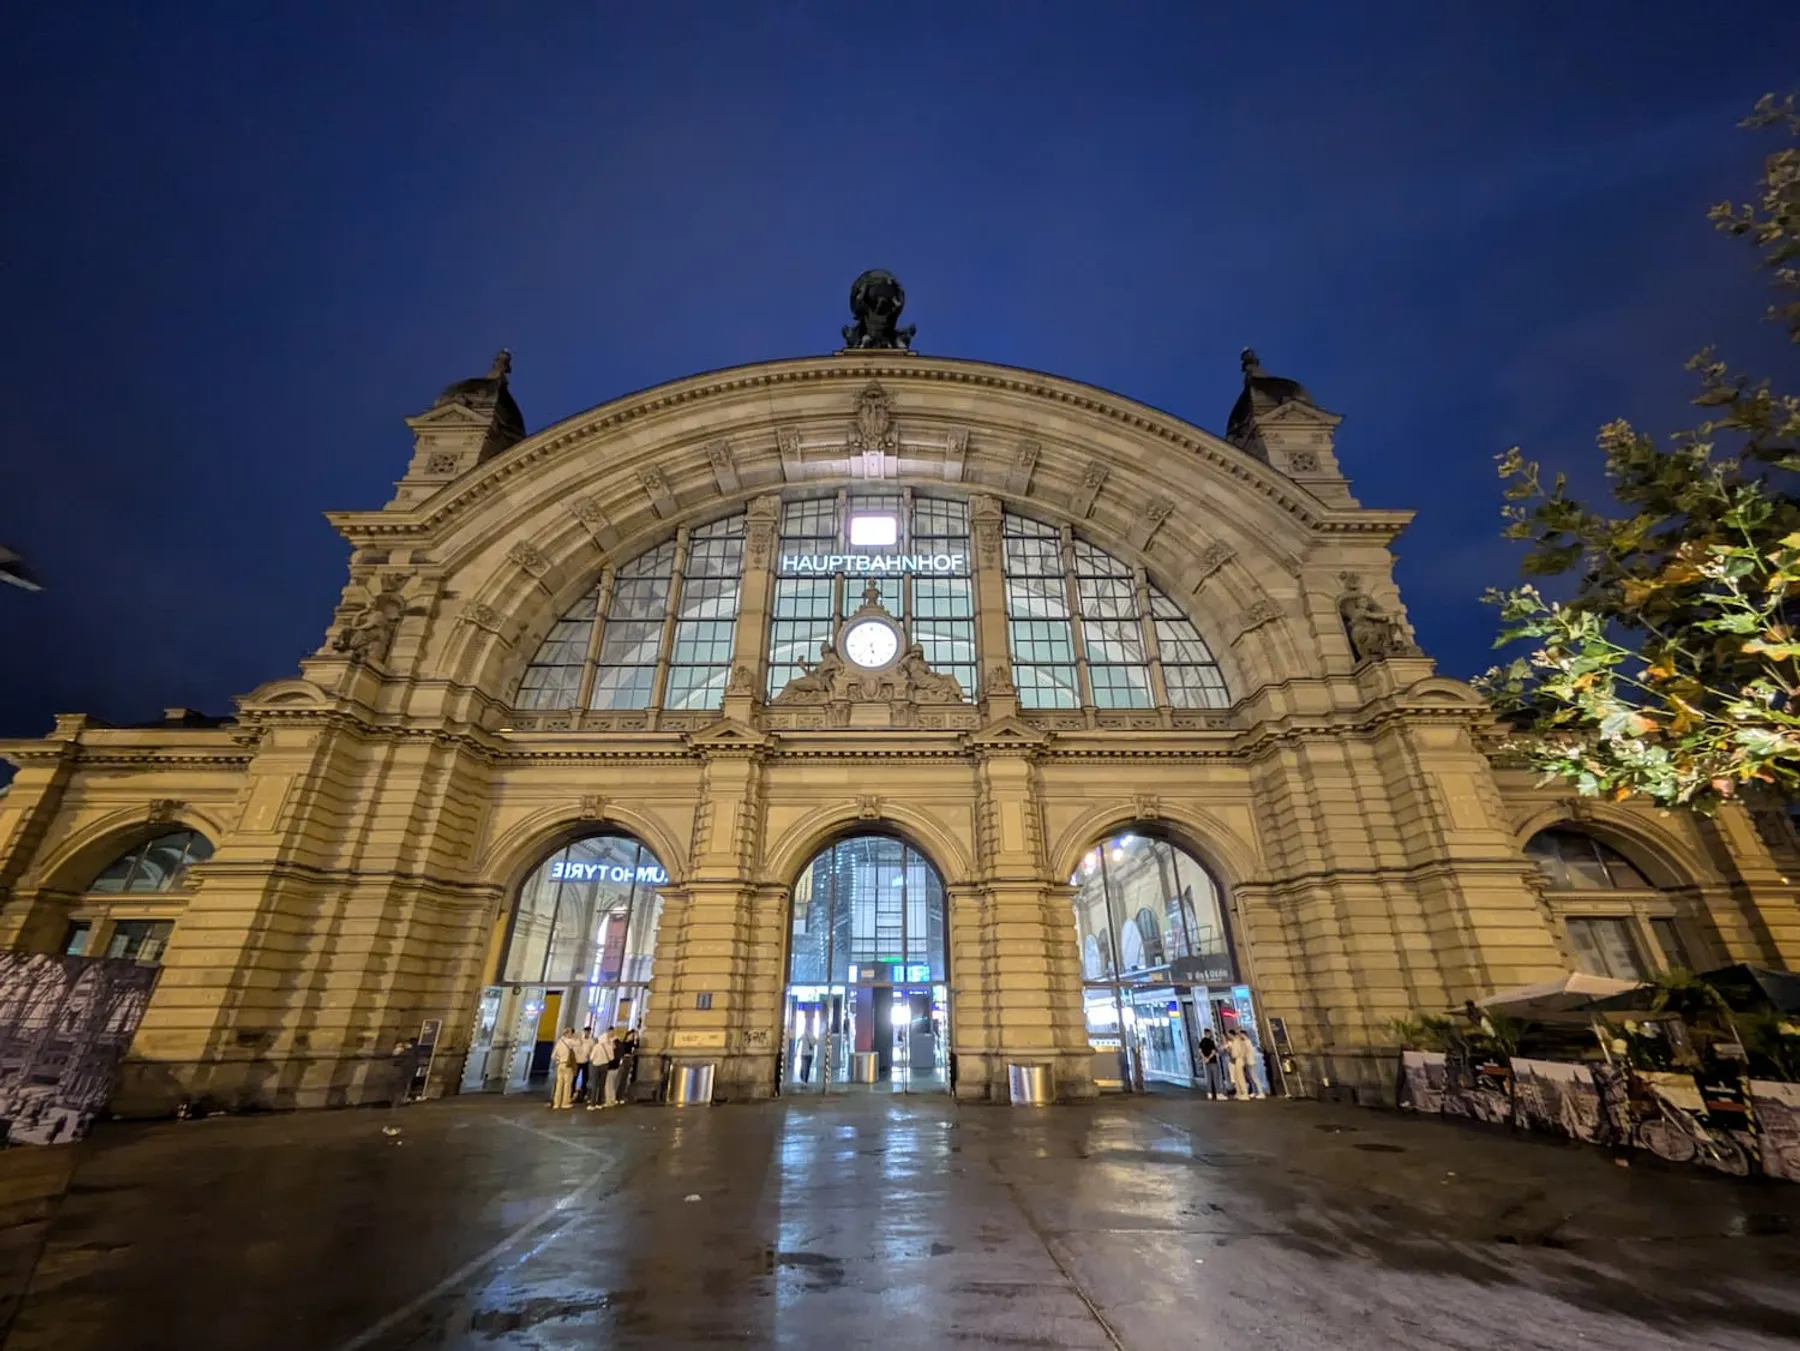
(867, 1005)
(575, 949)
(1166, 986)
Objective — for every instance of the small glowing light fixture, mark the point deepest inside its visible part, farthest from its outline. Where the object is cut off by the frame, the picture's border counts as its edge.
(874, 530)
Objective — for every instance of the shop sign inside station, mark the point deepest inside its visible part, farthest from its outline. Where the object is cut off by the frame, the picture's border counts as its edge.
(873, 565)
(573, 870)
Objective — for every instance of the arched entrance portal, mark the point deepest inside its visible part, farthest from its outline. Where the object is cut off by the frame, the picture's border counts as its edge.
(577, 953)
(1160, 973)
(868, 995)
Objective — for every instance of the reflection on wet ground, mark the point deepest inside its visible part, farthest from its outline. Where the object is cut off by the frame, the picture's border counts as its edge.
(899, 1222)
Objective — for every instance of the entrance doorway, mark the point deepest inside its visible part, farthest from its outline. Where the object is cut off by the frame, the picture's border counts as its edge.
(1159, 969)
(578, 952)
(867, 1006)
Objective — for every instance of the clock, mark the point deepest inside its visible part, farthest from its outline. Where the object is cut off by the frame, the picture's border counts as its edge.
(870, 643)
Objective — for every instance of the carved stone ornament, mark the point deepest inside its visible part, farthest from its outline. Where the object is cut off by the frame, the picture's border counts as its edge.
(874, 427)
(528, 556)
(787, 446)
(740, 681)
(441, 462)
(1147, 807)
(910, 682)
(1093, 478)
(724, 466)
(987, 530)
(876, 300)
(1263, 612)
(1374, 634)
(956, 453)
(593, 808)
(1156, 511)
(1303, 462)
(1213, 557)
(163, 810)
(868, 807)
(1025, 458)
(656, 488)
(485, 617)
(1000, 682)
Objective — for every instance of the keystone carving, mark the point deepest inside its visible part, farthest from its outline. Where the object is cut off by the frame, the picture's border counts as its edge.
(956, 453)
(1155, 512)
(873, 437)
(1081, 501)
(787, 445)
(1147, 807)
(163, 810)
(724, 467)
(1263, 612)
(1018, 478)
(1213, 557)
(656, 488)
(528, 556)
(868, 807)
(589, 513)
(593, 808)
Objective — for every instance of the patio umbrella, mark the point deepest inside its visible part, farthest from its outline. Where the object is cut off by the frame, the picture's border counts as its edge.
(1566, 994)
(1744, 988)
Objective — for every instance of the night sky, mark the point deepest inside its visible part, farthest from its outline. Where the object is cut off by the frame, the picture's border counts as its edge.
(241, 242)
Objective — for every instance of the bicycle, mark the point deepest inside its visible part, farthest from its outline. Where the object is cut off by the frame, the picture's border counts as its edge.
(1677, 1135)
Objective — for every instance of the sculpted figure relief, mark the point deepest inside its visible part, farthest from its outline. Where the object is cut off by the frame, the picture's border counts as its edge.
(928, 686)
(816, 683)
(876, 300)
(369, 636)
(1373, 633)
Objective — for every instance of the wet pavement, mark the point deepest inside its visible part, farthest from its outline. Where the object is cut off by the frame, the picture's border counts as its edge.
(898, 1222)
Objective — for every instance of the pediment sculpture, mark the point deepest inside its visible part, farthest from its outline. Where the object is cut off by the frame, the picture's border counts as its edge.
(892, 697)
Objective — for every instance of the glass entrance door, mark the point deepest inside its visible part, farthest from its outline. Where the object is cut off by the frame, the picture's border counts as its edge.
(867, 1003)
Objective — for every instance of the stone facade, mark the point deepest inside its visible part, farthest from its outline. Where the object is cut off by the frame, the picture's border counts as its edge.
(374, 815)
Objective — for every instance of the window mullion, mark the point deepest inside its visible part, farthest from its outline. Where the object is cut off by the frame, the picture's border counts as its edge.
(1077, 638)
(677, 584)
(602, 603)
(1159, 689)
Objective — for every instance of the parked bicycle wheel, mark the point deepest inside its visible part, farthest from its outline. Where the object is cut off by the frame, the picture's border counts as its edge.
(1666, 1141)
(1727, 1155)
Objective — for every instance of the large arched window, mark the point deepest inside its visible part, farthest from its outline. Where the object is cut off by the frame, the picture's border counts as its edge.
(578, 950)
(1619, 924)
(1157, 963)
(867, 997)
(656, 631)
(130, 907)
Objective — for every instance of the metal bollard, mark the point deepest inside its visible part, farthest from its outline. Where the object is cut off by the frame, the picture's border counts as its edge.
(865, 1067)
(1029, 1085)
(691, 1086)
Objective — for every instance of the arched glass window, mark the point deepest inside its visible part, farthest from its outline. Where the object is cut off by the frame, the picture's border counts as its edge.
(939, 610)
(1572, 861)
(1053, 580)
(671, 609)
(158, 864)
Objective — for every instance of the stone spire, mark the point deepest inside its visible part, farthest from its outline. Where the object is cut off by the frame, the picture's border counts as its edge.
(472, 421)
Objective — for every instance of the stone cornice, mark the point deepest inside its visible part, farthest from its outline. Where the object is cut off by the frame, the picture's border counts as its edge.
(390, 527)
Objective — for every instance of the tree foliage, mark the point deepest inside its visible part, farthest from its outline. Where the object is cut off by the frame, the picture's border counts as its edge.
(1671, 670)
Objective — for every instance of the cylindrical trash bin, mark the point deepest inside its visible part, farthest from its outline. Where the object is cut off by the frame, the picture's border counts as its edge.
(1028, 1085)
(865, 1067)
(691, 1086)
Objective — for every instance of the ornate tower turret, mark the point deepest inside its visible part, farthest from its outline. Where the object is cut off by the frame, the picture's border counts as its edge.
(471, 421)
(1277, 421)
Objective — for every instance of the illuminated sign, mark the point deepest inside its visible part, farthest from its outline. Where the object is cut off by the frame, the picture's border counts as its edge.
(874, 530)
(873, 565)
(568, 870)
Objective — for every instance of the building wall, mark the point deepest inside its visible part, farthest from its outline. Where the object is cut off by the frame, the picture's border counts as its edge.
(375, 815)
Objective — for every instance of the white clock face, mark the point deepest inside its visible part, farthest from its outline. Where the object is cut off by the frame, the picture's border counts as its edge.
(870, 644)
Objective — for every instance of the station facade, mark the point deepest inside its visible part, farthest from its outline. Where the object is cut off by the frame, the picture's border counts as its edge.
(870, 722)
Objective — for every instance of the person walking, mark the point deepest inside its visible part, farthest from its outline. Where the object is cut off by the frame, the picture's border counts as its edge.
(606, 1046)
(562, 1066)
(1242, 1049)
(628, 1056)
(809, 1049)
(1209, 1060)
(584, 1051)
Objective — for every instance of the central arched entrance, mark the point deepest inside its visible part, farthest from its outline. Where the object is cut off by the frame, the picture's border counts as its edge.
(867, 1005)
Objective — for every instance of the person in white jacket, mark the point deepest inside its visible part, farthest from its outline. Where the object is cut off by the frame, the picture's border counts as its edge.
(562, 1065)
(1245, 1083)
(605, 1047)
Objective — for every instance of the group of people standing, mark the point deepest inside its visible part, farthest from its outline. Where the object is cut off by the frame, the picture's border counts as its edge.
(1235, 1055)
(595, 1070)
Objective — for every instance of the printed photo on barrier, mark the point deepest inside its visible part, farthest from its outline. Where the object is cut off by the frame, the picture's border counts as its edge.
(65, 1024)
(1422, 1081)
(1553, 1095)
(1777, 1108)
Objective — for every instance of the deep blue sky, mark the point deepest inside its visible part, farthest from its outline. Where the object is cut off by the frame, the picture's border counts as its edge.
(242, 241)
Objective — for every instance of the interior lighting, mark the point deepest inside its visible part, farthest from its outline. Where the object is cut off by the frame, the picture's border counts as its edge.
(874, 531)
